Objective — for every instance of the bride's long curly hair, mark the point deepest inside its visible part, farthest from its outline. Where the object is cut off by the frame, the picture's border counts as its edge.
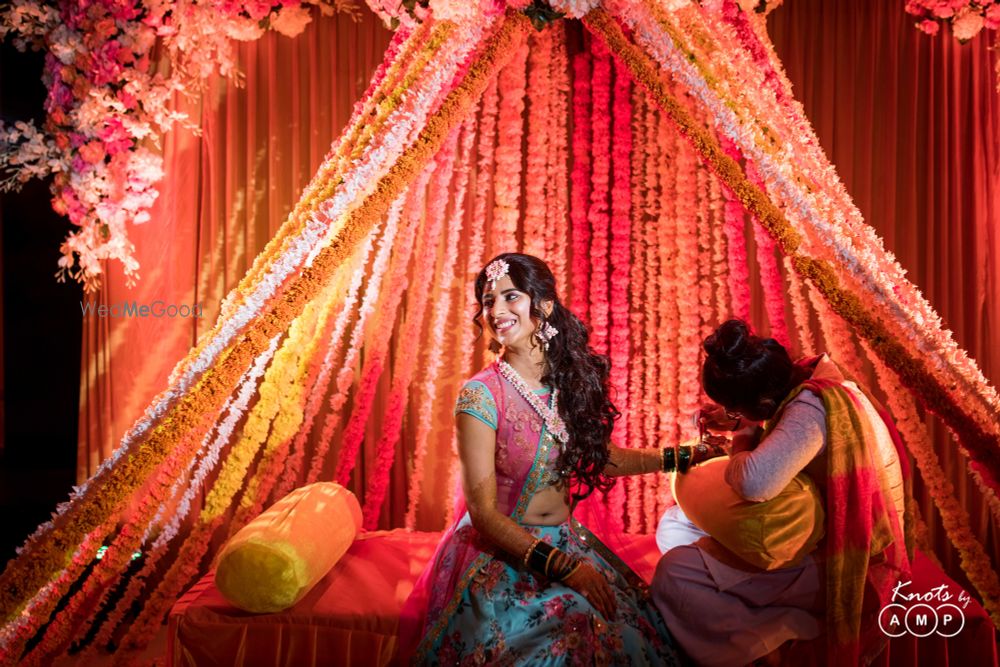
(580, 374)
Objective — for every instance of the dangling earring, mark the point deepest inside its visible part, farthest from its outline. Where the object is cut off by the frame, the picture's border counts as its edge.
(545, 333)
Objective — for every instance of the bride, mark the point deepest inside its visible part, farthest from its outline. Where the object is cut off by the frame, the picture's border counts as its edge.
(517, 579)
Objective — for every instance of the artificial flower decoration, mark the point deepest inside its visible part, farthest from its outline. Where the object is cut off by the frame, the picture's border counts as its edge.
(109, 103)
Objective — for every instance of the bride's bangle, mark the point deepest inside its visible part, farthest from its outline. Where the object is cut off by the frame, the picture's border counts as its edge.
(668, 461)
(683, 459)
(527, 554)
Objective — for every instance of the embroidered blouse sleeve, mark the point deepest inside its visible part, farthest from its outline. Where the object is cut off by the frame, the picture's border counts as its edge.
(798, 437)
(476, 399)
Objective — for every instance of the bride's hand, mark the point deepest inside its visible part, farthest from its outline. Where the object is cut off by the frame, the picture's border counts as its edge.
(592, 585)
(714, 418)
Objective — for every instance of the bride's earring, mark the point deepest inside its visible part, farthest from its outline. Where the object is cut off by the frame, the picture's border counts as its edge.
(545, 333)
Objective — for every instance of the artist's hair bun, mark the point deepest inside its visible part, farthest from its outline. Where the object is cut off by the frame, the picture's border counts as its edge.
(731, 342)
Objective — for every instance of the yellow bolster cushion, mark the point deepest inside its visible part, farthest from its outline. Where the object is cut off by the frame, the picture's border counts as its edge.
(772, 534)
(278, 557)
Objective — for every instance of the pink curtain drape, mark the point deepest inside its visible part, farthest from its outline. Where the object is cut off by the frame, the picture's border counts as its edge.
(224, 196)
(912, 123)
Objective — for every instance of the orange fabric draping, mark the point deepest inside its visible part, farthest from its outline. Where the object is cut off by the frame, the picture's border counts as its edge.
(224, 195)
(913, 124)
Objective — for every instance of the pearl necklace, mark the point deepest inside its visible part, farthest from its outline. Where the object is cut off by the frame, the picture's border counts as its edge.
(553, 422)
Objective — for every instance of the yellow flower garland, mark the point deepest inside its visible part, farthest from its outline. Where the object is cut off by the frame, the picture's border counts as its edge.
(820, 273)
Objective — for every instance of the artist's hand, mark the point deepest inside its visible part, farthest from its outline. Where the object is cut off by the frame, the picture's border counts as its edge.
(714, 418)
(592, 585)
(710, 447)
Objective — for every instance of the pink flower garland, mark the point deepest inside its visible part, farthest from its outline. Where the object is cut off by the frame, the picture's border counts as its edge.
(375, 357)
(580, 190)
(688, 334)
(770, 276)
(557, 180)
(800, 310)
(621, 232)
(650, 213)
(739, 274)
(539, 93)
(636, 485)
(507, 177)
(720, 252)
(597, 213)
(668, 315)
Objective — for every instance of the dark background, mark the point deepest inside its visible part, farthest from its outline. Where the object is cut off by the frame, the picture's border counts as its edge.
(40, 333)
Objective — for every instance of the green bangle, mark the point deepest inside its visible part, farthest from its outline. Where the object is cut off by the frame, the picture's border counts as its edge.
(683, 459)
(669, 459)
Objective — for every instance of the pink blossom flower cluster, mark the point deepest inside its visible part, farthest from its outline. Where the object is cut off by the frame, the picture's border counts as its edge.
(967, 17)
(106, 100)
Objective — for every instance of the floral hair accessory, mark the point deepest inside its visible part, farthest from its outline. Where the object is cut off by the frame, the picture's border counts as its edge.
(496, 270)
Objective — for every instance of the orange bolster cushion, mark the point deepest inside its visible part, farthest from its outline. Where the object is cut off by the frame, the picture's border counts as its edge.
(273, 561)
(772, 534)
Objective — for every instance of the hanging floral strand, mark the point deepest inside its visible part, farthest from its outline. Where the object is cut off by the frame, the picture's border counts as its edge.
(537, 140)
(510, 129)
(557, 200)
(580, 189)
(598, 213)
(635, 485)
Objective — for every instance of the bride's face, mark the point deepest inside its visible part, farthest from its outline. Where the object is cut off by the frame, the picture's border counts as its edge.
(507, 313)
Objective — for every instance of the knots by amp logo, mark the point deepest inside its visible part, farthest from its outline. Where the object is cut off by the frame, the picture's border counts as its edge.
(922, 614)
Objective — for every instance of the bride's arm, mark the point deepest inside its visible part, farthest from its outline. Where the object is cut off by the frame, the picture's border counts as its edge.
(477, 451)
(633, 461)
(650, 459)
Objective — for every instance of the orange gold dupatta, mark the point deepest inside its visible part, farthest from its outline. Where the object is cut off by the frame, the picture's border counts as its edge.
(867, 550)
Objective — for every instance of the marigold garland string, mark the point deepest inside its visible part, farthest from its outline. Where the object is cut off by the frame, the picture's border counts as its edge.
(618, 298)
(668, 313)
(705, 267)
(598, 212)
(580, 186)
(770, 276)
(734, 227)
(800, 310)
(687, 341)
(510, 130)
(557, 200)
(539, 113)
(650, 211)
(636, 484)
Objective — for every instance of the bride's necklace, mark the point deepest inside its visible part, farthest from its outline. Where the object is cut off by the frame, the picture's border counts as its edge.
(550, 415)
